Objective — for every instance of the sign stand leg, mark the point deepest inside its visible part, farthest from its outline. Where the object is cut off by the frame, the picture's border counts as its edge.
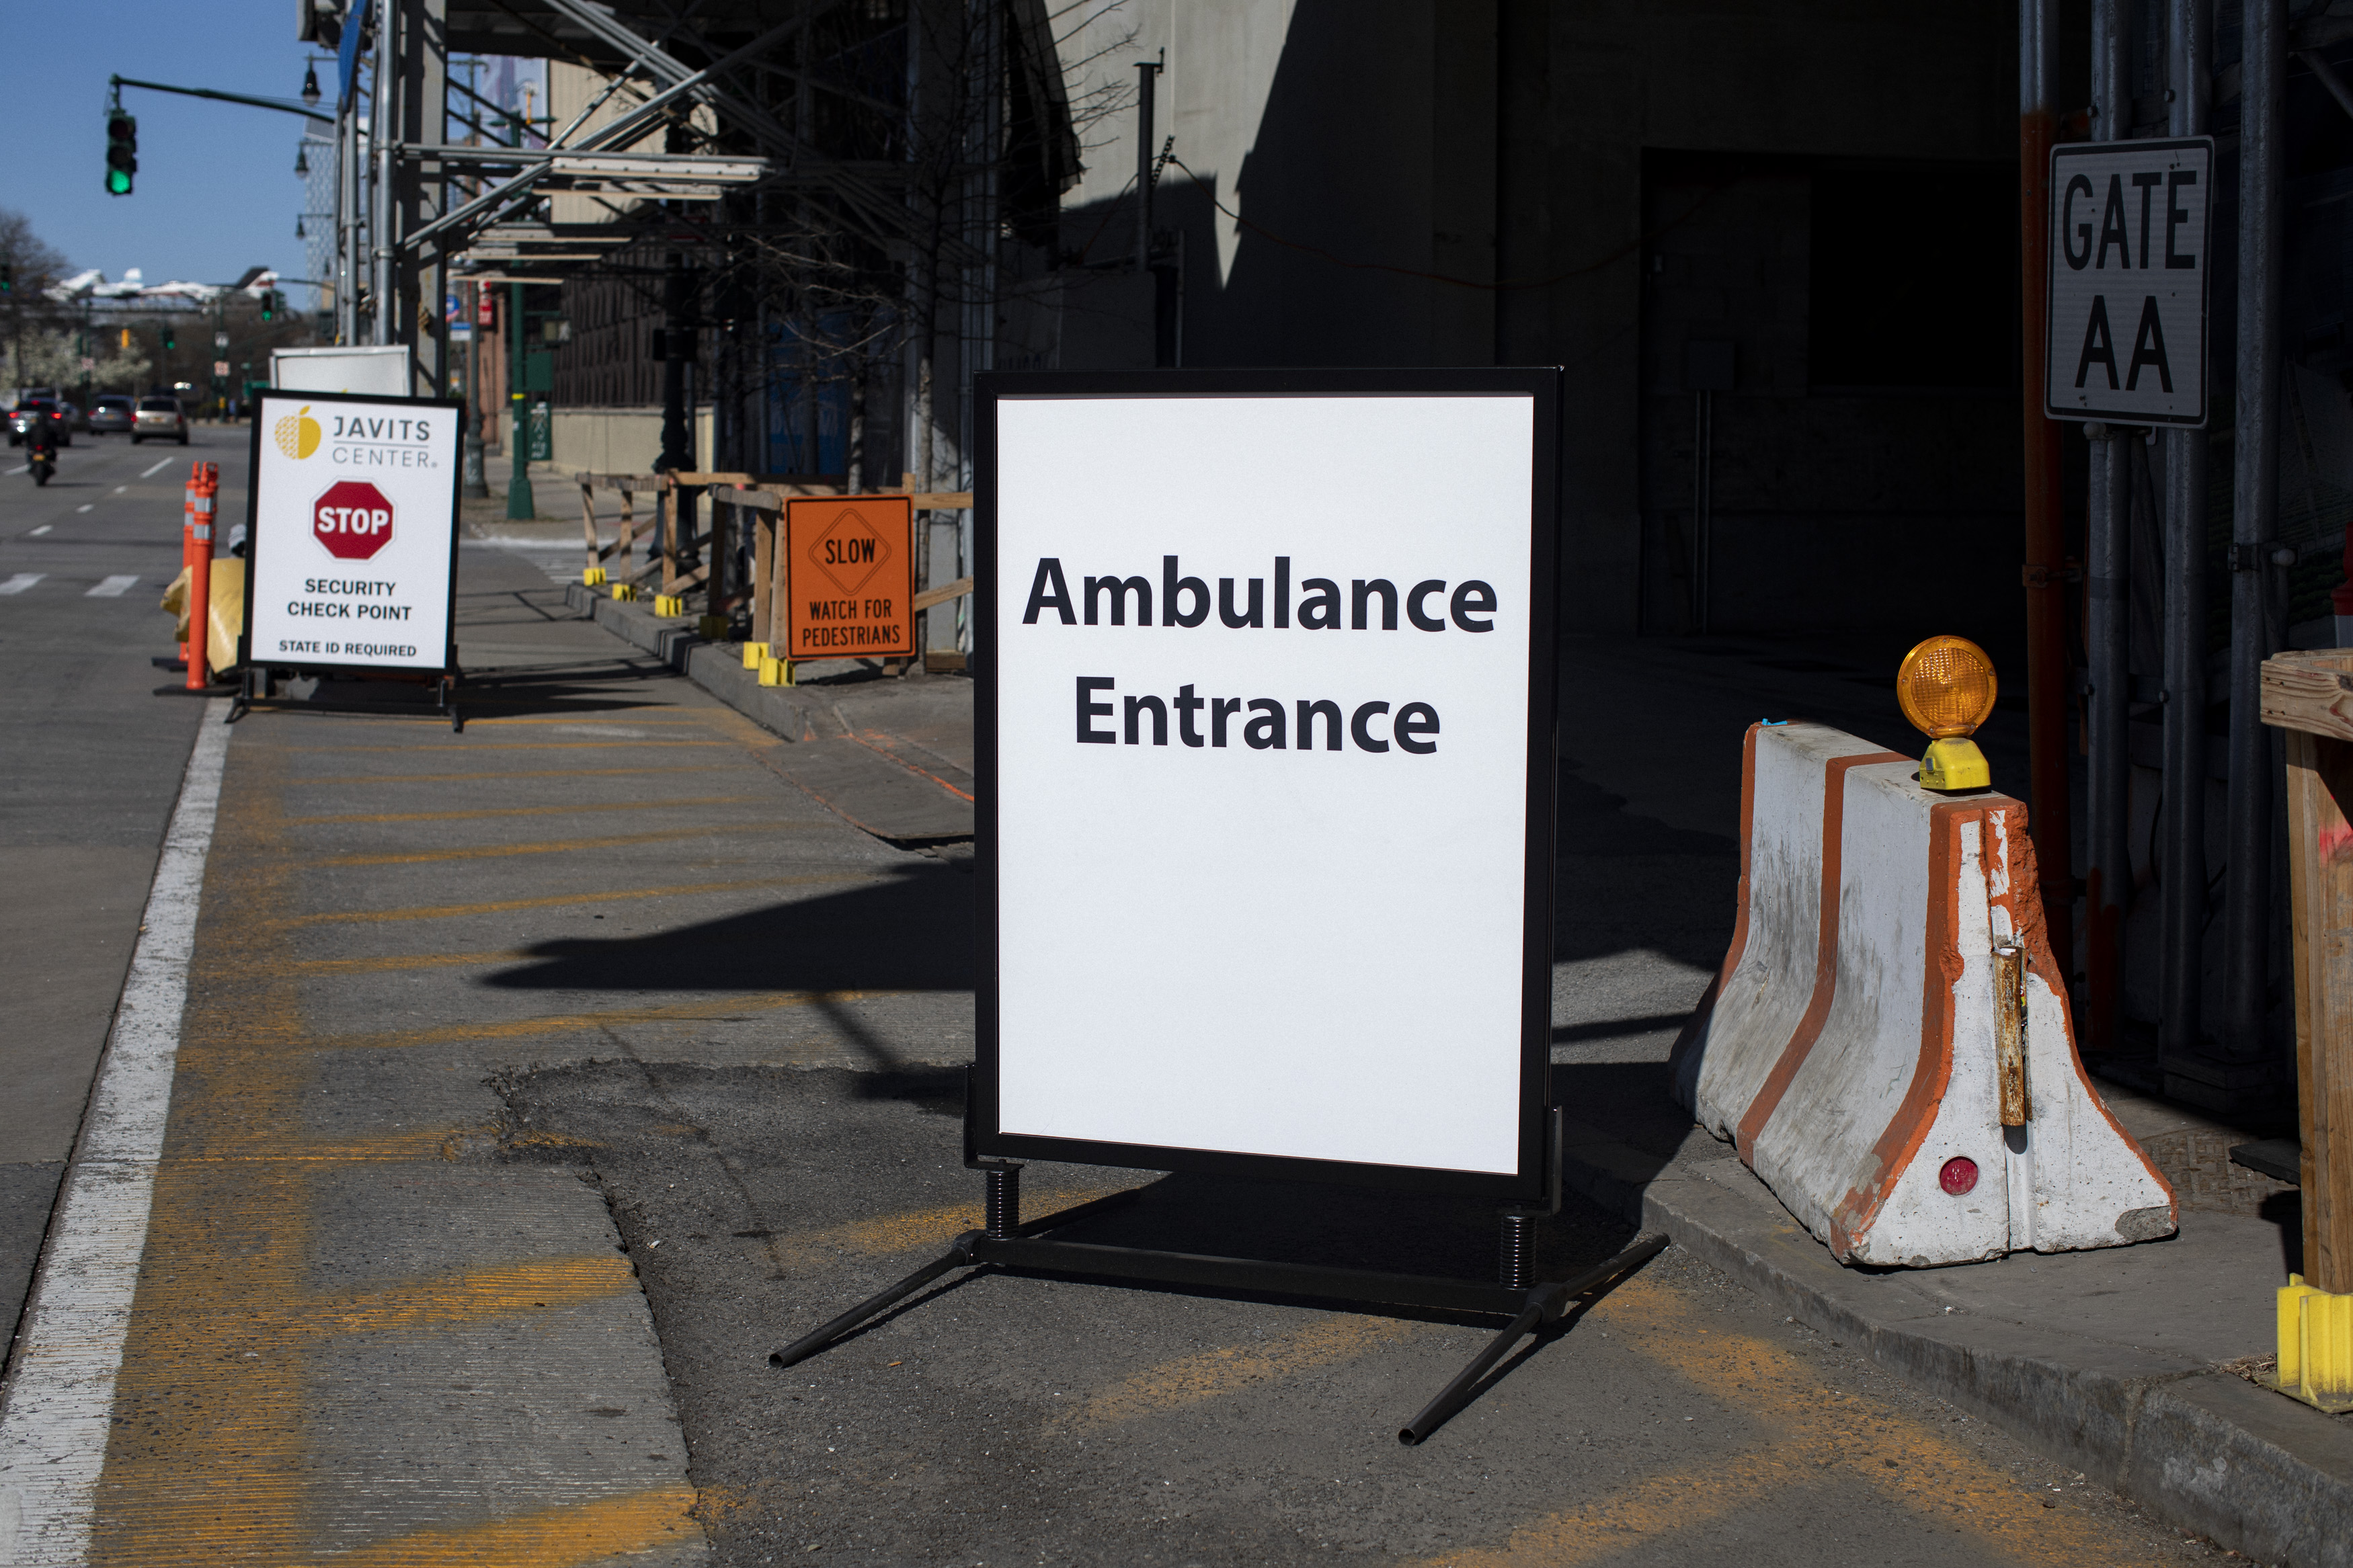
(1005, 1242)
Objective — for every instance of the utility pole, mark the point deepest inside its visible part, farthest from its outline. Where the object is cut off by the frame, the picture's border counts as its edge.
(519, 497)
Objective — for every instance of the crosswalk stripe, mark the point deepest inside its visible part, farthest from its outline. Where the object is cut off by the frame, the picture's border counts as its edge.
(112, 588)
(21, 581)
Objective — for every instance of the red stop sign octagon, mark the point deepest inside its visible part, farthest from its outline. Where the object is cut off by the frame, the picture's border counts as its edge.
(353, 520)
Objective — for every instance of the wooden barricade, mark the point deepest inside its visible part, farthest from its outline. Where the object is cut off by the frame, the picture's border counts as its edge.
(2310, 695)
(630, 486)
(756, 501)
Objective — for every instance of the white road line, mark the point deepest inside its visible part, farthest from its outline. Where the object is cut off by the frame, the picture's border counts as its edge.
(119, 488)
(43, 529)
(86, 506)
(21, 581)
(112, 588)
(145, 474)
(58, 1408)
(20, 468)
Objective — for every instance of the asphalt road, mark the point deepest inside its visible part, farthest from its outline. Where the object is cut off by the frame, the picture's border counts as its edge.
(536, 1081)
(88, 777)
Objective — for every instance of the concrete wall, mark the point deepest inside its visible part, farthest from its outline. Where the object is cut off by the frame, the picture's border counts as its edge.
(1377, 161)
(617, 440)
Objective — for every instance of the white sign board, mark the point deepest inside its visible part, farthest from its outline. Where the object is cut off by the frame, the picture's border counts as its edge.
(352, 532)
(1265, 711)
(2130, 258)
(382, 371)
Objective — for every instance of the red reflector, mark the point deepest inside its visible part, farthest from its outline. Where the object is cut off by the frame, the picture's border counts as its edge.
(1959, 1175)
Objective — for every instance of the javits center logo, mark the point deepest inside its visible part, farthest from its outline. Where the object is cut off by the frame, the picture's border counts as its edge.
(298, 434)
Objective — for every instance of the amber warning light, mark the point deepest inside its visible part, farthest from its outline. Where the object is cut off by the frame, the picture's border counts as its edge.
(1946, 688)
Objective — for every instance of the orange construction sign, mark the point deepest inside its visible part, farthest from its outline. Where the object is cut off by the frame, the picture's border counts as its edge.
(850, 570)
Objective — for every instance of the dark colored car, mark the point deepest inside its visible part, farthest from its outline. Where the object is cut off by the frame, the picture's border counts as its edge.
(111, 415)
(33, 409)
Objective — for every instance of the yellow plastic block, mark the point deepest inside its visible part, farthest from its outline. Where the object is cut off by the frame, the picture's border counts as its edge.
(754, 654)
(669, 604)
(775, 671)
(594, 577)
(2326, 1362)
(625, 591)
(2291, 1330)
(1955, 763)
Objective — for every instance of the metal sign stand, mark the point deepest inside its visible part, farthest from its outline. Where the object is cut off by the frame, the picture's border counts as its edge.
(1005, 1242)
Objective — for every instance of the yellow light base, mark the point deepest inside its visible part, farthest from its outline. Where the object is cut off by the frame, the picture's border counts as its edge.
(775, 671)
(1955, 763)
(754, 652)
(669, 604)
(2316, 1346)
(625, 591)
(594, 577)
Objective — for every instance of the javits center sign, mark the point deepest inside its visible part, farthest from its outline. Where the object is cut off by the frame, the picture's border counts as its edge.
(353, 525)
(1265, 703)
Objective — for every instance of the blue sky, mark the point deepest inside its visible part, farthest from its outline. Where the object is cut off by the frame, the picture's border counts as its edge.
(216, 190)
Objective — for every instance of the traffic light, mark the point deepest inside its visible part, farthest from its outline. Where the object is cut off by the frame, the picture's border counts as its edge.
(270, 304)
(122, 151)
(170, 340)
(7, 277)
(126, 337)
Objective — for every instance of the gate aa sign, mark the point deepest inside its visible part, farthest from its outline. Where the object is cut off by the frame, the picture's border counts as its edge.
(2129, 266)
(353, 520)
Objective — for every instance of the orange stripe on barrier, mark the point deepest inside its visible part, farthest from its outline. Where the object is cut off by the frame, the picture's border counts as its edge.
(1818, 1010)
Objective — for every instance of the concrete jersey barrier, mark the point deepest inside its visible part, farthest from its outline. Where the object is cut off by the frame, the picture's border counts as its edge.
(1847, 1047)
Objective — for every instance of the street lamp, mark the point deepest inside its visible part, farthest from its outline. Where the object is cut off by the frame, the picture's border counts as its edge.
(302, 158)
(309, 83)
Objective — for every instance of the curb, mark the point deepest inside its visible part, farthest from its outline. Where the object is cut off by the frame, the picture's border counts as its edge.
(2204, 1449)
(715, 667)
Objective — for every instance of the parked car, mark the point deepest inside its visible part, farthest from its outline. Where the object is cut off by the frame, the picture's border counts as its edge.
(160, 419)
(111, 414)
(32, 408)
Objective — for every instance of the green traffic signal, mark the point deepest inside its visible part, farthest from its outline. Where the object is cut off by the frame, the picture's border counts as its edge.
(122, 151)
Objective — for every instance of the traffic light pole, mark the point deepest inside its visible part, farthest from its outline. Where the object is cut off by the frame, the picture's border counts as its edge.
(520, 506)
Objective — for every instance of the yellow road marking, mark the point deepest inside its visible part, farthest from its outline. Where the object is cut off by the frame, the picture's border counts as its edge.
(522, 810)
(659, 714)
(567, 1537)
(341, 780)
(506, 906)
(558, 845)
(518, 1028)
(462, 745)
(1810, 1432)
(1213, 1375)
(469, 1297)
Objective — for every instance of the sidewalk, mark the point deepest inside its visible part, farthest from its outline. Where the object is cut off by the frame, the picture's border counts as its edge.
(2119, 1364)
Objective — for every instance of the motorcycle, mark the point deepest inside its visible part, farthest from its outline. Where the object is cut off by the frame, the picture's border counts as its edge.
(43, 464)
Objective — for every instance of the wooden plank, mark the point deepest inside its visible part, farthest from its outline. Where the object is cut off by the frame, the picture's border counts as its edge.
(943, 501)
(628, 540)
(764, 568)
(806, 484)
(2320, 871)
(941, 594)
(744, 496)
(2311, 690)
(588, 523)
(666, 512)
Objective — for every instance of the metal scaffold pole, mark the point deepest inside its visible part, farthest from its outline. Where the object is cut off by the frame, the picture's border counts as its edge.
(2108, 631)
(2254, 517)
(2182, 850)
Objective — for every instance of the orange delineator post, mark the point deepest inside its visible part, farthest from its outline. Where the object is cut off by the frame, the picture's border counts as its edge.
(204, 487)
